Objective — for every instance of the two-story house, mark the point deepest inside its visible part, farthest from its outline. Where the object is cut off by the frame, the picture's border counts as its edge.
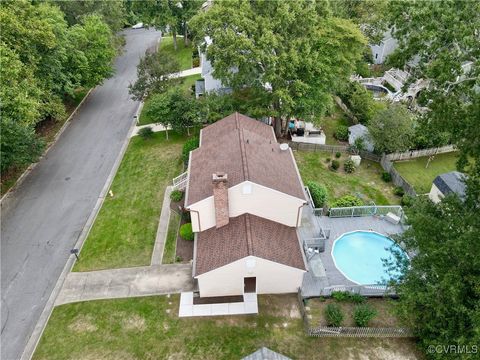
(245, 197)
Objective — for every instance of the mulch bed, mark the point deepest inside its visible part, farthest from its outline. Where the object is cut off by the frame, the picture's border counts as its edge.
(184, 247)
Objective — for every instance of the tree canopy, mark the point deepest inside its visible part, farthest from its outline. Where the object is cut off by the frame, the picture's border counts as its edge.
(43, 61)
(392, 129)
(293, 54)
(439, 295)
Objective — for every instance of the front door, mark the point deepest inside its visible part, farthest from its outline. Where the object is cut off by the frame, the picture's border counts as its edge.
(250, 285)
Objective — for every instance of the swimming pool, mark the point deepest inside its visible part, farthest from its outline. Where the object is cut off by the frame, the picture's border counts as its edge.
(358, 255)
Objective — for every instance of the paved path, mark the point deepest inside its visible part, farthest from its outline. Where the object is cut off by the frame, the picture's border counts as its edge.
(43, 218)
(129, 282)
(162, 230)
(188, 72)
(155, 128)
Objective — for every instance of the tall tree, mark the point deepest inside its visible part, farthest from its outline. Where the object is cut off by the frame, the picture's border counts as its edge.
(392, 129)
(167, 15)
(154, 75)
(440, 41)
(292, 53)
(439, 293)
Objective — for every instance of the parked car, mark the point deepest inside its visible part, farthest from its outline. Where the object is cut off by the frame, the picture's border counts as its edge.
(138, 26)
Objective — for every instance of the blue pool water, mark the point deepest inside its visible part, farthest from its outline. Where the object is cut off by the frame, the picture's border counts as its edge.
(358, 255)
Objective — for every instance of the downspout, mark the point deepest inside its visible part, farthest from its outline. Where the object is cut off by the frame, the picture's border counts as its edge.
(298, 213)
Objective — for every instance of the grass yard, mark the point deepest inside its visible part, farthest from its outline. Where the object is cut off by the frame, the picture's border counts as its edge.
(123, 234)
(183, 53)
(148, 328)
(420, 178)
(188, 82)
(365, 182)
(171, 241)
(329, 124)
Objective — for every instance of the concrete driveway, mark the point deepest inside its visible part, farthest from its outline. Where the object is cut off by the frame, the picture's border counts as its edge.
(42, 220)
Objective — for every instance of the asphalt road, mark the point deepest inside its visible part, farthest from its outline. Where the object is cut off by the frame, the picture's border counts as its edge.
(43, 219)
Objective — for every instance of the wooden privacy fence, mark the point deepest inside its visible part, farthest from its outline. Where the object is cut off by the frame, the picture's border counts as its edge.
(397, 179)
(326, 331)
(408, 155)
(317, 147)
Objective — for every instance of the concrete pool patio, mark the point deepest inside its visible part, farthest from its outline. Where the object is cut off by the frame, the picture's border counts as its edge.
(323, 272)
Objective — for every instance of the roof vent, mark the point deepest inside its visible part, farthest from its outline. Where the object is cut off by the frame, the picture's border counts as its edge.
(284, 146)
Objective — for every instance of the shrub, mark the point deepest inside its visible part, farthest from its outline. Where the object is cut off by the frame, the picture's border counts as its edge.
(145, 132)
(407, 200)
(399, 191)
(327, 160)
(334, 315)
(341, 295)
(176, 195)
(349, 166)
(357, 298)
(386, 176)
(186, 232)
(196, 62)
(189, 145)
(363, 314)
(347, 201)
(318, 192)
(341, 133)
(335, 165)
(338, 154)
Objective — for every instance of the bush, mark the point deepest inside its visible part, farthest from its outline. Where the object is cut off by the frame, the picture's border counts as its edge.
(327, 160)
(186, 232)
(196, 62)
(407, 200)
(399, 191)
(334, 315)
(176, 195)
(349, 166)
(386, 176)
(357, 298)
(189, 145)
(363, 314)
(335, 165)
(347, 201)
(341, 295)
(338, 154)
(145, 132)
(318, 192)
(341, 133)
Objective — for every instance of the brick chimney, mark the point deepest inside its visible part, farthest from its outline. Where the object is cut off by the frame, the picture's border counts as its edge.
(220, 198)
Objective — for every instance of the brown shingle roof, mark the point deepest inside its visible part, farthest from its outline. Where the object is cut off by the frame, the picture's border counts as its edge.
(247, 235)
(244, 149)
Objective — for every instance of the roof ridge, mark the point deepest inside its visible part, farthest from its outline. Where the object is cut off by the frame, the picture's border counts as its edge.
(246, 175)
(248, 230)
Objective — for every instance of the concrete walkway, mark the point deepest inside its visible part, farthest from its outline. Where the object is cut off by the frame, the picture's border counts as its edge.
(162, 230)
(249, 305)
(188, 72)
(155, 128)
(128, 282)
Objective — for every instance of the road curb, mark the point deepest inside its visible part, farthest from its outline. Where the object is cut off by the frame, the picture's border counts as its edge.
(47, 311)
(30, 168)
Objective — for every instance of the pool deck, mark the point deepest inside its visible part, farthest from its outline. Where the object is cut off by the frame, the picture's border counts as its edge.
(331, 276)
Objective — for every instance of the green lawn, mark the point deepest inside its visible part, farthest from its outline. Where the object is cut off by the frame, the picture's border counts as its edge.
(123, 234)
(148, 328)
(171, 241)
(420, 178)
(330, 122)
(365, 181)
(183, 54)
(189, 81)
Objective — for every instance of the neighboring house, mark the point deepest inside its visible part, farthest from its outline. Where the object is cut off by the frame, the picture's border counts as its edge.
(360, 131)
(444, 184)
(208, 83)
(245, 198)
(265, 354)
(387, 46)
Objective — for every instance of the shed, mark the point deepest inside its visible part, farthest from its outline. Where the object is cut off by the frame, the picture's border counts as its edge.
(265, 354)
(447, 183)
